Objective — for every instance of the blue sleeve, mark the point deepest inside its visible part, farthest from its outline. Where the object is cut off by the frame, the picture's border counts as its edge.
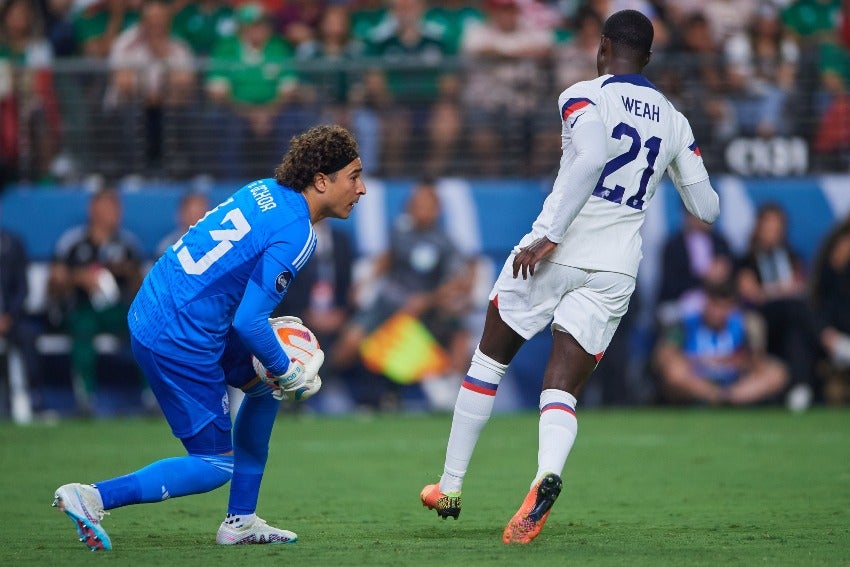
(266, 287)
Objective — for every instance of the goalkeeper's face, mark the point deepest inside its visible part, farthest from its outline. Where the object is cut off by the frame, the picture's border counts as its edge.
(343, 189)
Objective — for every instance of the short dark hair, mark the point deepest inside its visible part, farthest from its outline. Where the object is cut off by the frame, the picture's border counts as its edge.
(631, 29)
(323, 149)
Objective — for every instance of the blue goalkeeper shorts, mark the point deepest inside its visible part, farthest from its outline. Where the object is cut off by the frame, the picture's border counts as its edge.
(194, 395)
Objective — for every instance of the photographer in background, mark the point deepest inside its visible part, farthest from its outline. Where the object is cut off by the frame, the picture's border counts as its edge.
(95, 272)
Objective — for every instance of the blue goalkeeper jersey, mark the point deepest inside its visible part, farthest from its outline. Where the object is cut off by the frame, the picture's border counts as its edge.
(230, 269)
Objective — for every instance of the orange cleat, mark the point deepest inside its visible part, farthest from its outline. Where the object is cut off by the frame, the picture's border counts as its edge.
(529, 519)
(445, 504)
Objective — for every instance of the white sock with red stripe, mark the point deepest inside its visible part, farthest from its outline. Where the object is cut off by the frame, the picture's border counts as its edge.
(558, 429)
(472, 410)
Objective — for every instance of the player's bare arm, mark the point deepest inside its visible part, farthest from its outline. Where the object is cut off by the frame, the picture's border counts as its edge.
(529, 256)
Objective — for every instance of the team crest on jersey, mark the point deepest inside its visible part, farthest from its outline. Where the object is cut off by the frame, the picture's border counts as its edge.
(282, 282)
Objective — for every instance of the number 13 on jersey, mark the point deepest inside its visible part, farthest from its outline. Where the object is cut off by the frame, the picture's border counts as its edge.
(225, 238)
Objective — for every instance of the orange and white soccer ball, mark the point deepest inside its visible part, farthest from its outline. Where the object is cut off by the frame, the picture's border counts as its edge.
(297, 341)
(301, 381)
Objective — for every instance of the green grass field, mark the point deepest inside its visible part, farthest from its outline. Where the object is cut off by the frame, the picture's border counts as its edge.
(646, 487)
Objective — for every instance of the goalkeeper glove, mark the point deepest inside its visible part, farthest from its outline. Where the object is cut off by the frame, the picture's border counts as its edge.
(301, 382)
(298, 383)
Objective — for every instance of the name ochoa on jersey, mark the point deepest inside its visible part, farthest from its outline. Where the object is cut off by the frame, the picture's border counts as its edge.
(263, 196)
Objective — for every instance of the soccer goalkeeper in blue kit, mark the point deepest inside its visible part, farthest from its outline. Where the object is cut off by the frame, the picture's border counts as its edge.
(200, 315)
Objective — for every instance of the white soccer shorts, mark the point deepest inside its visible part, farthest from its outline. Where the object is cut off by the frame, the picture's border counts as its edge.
(587, 304)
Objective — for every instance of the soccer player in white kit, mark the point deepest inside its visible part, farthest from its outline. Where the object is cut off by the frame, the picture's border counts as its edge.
(577, 266)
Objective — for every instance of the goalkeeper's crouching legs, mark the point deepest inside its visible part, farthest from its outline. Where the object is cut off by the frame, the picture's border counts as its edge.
(201, 471)
(251, 434)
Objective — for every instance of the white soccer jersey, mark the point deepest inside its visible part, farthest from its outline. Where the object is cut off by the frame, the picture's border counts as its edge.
(646, 135)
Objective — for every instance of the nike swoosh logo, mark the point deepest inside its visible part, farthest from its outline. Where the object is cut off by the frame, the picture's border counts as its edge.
(573, 123)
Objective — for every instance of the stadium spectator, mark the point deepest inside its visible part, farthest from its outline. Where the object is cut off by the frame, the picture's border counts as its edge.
(17, 330)
(31, 128)
(59, 27)
(771, 279)
(323, 64)
(712, 355)
(299, 22)
(423, 275)
(831, 136)
(95, 272)
(729, 17)
(369, 100)
(695, 75)
(97, 23)
(505, 81)
(421, 127)
(453, 17)
(830, 291)
(813, 22)
(202, 24)
(575, 271)
(676, 13)
(574, 59)
(761, 69)
(343, 95)
(200, 314)
(73, 103)
(152, 85)
(94, 26)
(192, 208)
(692, 256)
(366, 15)
(834, 70)
(255, 95)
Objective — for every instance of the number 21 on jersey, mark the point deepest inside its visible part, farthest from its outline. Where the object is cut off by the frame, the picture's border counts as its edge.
(629, 159)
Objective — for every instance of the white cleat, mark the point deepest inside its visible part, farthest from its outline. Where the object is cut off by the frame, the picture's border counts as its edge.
(84, 506)
(256, 532)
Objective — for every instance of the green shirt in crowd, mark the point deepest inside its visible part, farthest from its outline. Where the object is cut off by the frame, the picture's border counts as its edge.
(453, 21)
(88, 26)
(253, 76)
(201, 29)
(413, 69)
(812, 17)
(835, 59)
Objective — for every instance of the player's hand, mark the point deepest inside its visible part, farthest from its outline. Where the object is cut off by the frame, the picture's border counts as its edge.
(300, 381)
(305, 392)
(527, 258)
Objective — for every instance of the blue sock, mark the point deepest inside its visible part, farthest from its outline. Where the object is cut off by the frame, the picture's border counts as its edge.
(168, 478)
(251, 434)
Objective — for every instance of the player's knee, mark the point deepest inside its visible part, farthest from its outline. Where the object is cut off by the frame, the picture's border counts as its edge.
(221, 467)
(213, 439)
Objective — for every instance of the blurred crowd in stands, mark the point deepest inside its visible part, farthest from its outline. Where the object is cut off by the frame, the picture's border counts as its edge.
(175, 89)
(154, 88)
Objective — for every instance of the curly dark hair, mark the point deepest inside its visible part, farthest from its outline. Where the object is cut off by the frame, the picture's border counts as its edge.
(323, 149)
